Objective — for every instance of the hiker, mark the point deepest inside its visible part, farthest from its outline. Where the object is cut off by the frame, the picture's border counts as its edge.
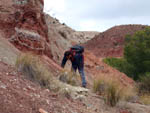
(75, 55)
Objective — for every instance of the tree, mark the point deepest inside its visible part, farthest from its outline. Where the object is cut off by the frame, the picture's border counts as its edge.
(137, 52)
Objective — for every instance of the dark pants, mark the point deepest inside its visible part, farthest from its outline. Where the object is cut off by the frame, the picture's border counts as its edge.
(81, 71)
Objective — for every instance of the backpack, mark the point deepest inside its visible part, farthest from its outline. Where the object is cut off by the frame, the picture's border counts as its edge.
(77, 49)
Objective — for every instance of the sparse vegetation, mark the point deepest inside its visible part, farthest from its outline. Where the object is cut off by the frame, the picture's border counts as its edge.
(31, 66)
(99, 86)
(136, 59)
(113, 93)
(68, 77)
(144, 85)
(112, 90)
(145, 99)
(63, 34)
(121, 64)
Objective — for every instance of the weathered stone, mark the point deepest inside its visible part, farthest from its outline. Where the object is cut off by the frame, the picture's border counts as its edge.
(23, 23)
(42, 111)
(2, 85)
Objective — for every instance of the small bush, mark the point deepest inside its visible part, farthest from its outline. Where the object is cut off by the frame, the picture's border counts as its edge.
(63, 34)
(112, 90)
(122, 65)
(99, 86)
(69, 77)
(144, 85)
(113, 94)
(31, 66)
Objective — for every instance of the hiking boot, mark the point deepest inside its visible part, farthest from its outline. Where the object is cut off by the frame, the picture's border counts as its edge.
(84, 86)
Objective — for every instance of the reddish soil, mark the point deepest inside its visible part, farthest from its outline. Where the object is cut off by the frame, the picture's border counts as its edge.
(27, 30)
(96, 68)
(110, 43)
(19, 95)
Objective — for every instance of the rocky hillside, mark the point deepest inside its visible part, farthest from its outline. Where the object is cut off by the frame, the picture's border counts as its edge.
(24, 25)
(68, 33)
(111, 42)
(20, 95)
(25, 28)
(62, 37)
(8, 53)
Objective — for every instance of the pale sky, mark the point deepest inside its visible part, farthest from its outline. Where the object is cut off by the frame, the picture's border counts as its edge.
(98, 15)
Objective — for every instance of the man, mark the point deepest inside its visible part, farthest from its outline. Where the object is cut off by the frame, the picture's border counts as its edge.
(75, 55)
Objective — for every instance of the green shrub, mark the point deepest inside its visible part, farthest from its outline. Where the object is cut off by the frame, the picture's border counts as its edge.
(121, 64)
(136, 59)
(31, 66)
(137, 52)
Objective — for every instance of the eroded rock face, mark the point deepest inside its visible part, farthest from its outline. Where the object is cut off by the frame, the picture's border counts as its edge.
(62, 37)
(24, 25)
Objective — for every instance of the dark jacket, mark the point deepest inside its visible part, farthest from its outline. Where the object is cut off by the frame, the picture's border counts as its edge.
(77, 59)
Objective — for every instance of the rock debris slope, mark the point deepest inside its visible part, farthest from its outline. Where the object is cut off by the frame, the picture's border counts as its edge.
(25, 28)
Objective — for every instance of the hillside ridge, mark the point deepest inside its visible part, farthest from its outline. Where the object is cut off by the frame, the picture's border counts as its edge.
(110, 43)
(26, 29)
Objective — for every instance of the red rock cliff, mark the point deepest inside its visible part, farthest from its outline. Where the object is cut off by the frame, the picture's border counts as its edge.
(23, 23)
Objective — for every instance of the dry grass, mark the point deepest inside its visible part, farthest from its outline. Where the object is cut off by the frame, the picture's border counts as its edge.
(112, 90)
(31, 66)
(145, 99)
(69, 77)
(99, 86)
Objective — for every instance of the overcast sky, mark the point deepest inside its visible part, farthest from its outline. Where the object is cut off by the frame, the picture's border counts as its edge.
(99, 15)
